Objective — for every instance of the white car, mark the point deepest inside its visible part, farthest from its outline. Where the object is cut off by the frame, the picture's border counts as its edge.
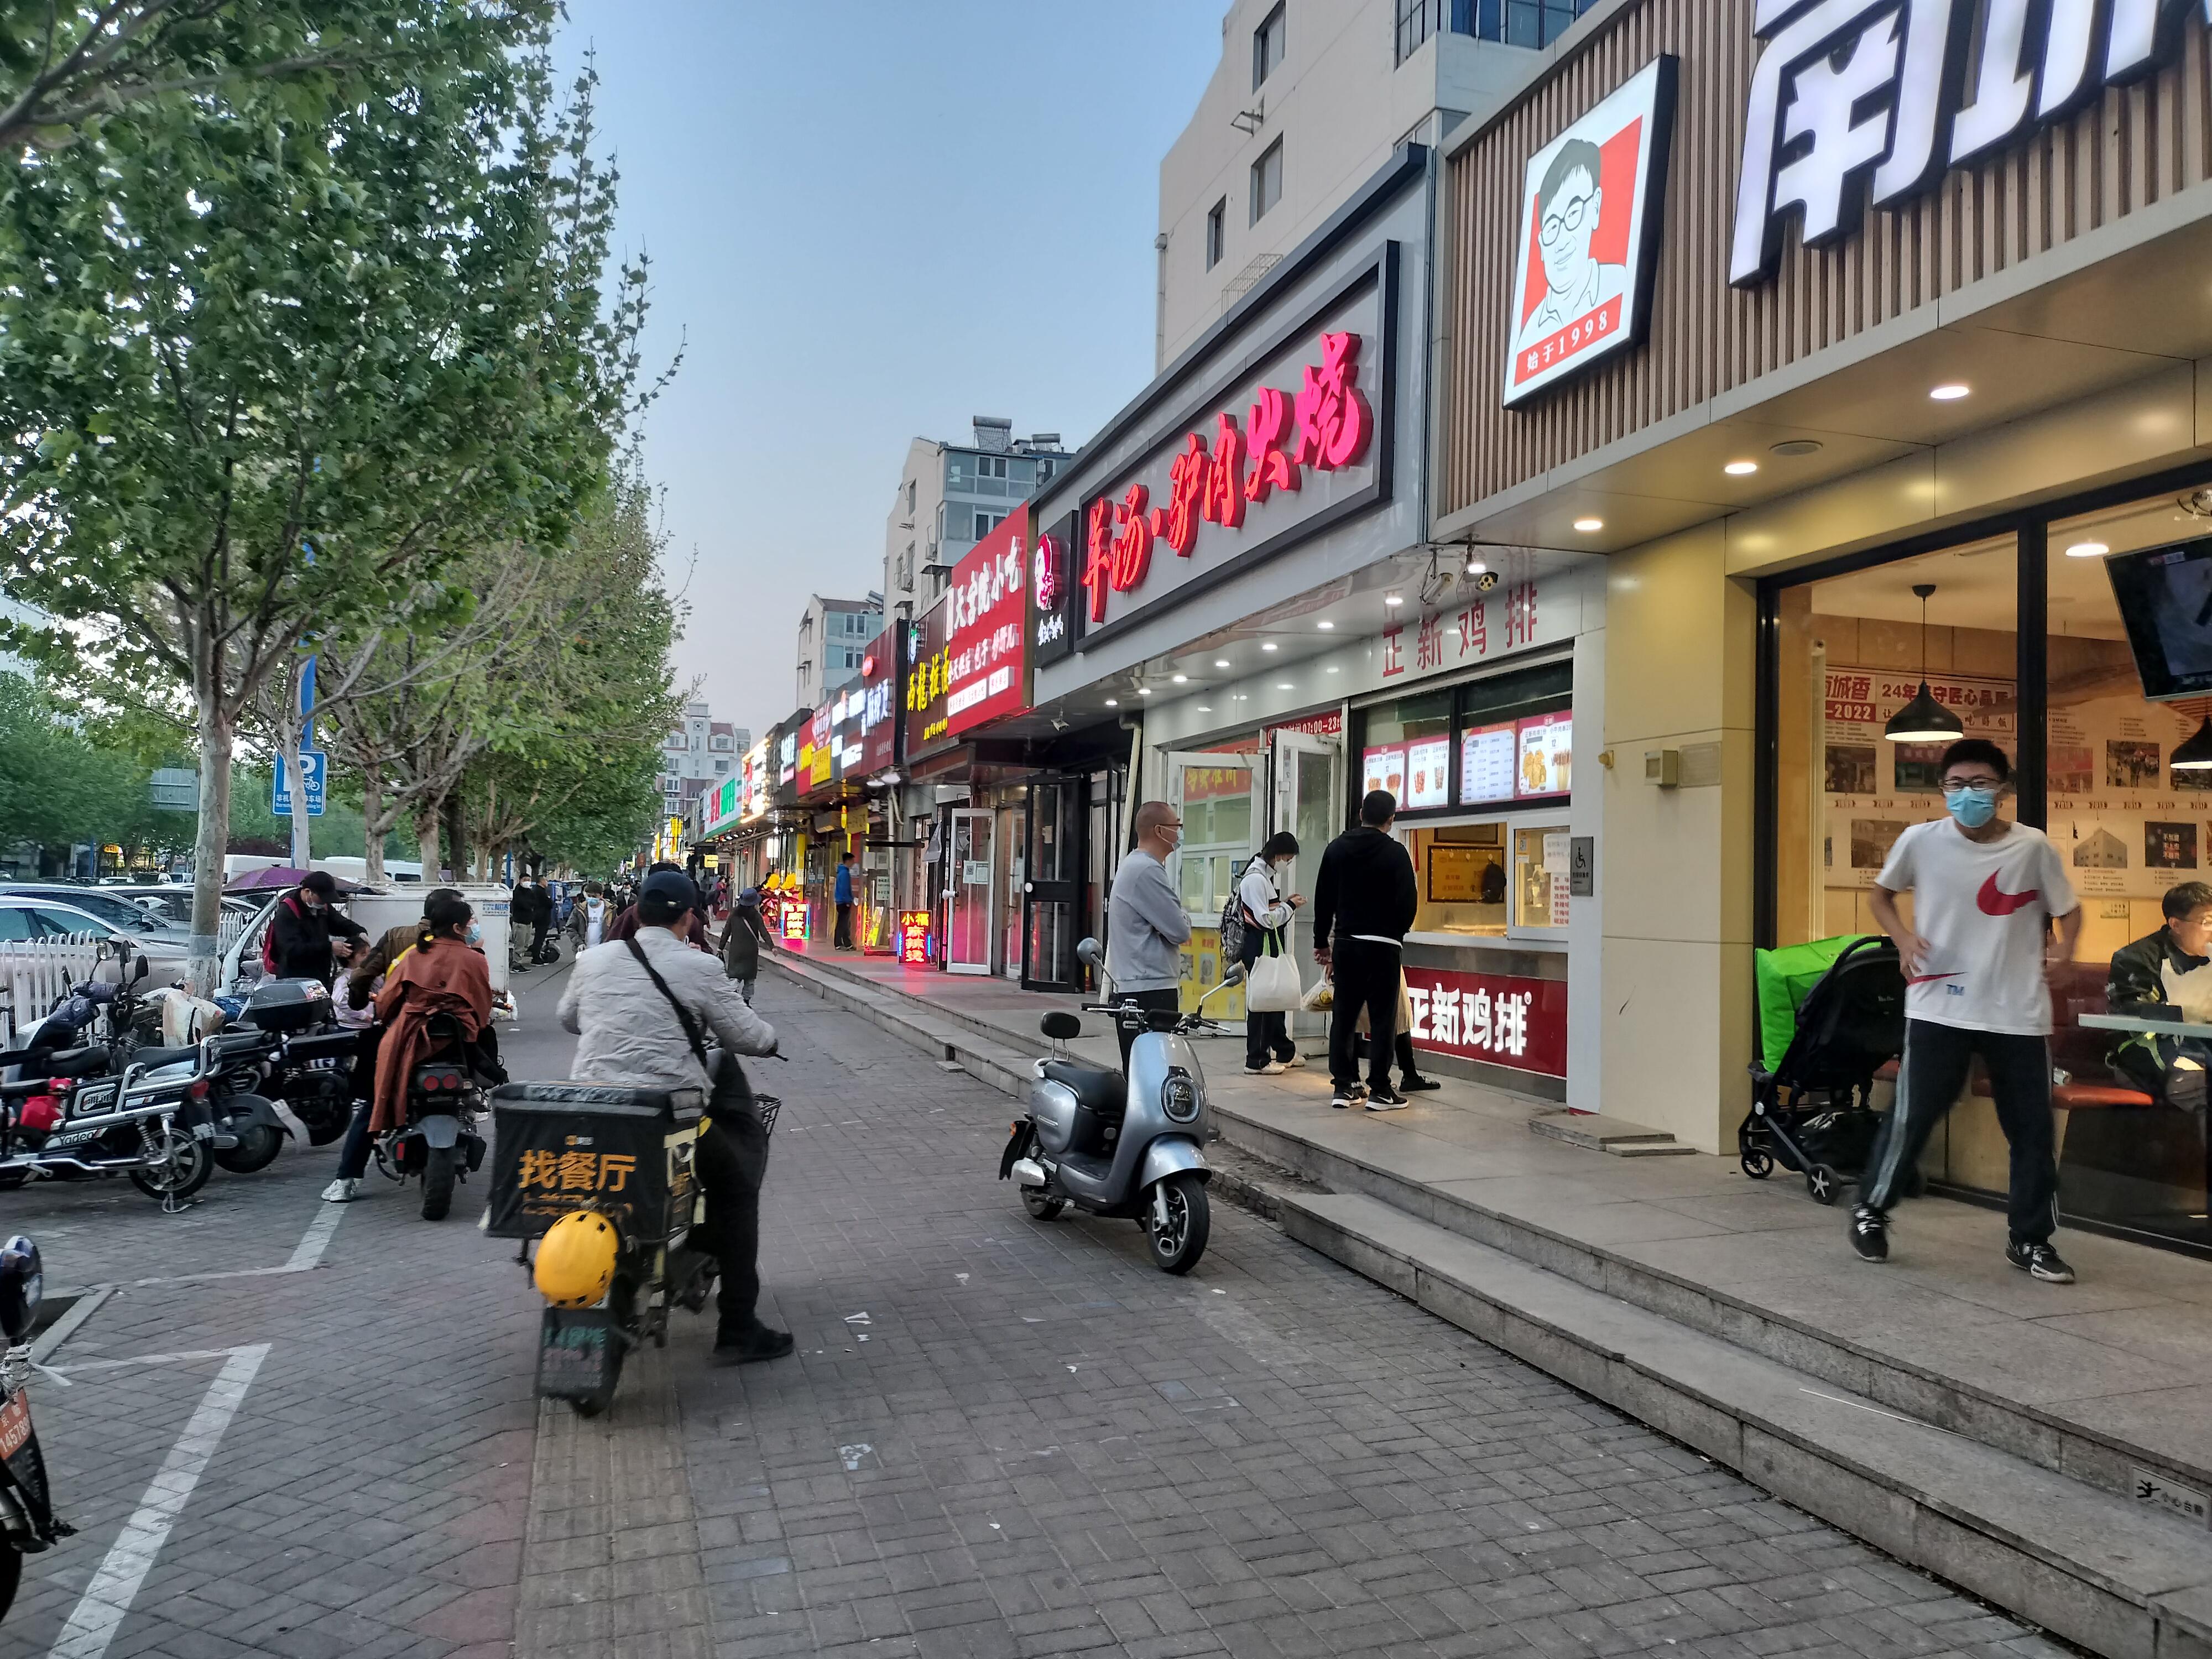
(38, 918)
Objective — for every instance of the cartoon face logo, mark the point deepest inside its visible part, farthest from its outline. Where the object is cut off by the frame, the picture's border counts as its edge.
(1047, 587)
(1568, 207)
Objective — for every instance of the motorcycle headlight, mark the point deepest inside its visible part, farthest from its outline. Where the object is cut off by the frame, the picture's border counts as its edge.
(1179, 1098)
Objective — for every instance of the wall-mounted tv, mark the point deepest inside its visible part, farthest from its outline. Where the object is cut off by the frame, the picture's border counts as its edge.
(2164, 596)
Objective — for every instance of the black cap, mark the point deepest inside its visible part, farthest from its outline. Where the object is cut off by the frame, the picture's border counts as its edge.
(666, 895)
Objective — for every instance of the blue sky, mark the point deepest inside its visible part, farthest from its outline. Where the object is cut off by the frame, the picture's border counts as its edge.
(869, 221)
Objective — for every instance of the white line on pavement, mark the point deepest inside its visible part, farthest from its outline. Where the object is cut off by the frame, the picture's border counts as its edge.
(99, 1611)
(182, 1356)
(319, 1232)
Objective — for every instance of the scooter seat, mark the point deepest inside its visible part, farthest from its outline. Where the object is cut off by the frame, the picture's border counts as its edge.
(1106, 1093)
(68, 1062)
(151, 1057)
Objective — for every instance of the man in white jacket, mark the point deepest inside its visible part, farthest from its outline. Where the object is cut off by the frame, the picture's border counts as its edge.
(644, 1010)
(1268, 1046)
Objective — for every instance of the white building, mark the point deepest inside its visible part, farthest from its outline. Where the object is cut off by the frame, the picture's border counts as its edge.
(697, 752)
(14, 610)
(1309, 101)
(952, 495)
(832, 638)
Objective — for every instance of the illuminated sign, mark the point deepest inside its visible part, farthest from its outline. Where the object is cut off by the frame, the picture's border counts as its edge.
(1055, 596)
(984, 630)
(876, 697)
(913, 938)
(927, 727)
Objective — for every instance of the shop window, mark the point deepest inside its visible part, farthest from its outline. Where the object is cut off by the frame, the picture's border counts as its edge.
(1503, 741)
(1463, 881)
(1540, 877)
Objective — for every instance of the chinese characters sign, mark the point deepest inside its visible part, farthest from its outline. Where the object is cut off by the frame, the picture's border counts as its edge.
(986, 627)
(878, 696)
(1858, 102)
(1056, 595)
(1588, 240)
(1492, 624)
(913, 938)
(928, 666)
(1499, 1018)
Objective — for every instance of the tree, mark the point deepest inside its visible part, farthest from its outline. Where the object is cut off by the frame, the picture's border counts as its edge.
(57, 787)
(262, 375)
(63, 64)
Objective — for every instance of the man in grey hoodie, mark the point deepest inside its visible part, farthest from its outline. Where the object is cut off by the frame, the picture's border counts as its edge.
(1146, 924)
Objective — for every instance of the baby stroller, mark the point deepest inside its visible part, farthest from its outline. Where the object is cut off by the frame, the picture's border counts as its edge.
(1811, 1109)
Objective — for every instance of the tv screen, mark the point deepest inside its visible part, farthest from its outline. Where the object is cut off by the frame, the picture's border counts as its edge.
(2164, 596)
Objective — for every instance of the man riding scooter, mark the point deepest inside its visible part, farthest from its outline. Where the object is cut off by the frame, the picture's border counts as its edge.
(643, 1009)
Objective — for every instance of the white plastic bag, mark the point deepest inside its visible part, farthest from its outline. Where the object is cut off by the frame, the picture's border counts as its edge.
(1272, 986)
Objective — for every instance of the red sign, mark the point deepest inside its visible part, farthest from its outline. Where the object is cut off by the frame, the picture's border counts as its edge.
(987, 626)
(1326, 424)
(877, 696)
(1499, 1018)
(913, 938)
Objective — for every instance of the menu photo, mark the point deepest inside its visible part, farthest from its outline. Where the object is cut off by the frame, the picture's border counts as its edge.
(1428, 773)
(1547, 747)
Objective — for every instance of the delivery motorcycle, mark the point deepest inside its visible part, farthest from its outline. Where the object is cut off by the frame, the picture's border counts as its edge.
(27, 1522)
(1129, 1147)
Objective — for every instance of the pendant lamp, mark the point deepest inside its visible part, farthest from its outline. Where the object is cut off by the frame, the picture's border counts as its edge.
(1926, 721)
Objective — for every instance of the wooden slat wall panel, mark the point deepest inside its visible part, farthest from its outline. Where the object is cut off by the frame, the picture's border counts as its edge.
(2131, 147)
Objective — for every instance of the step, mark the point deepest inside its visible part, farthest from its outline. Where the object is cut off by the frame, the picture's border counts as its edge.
(2111, 1575)
(1601, 1133)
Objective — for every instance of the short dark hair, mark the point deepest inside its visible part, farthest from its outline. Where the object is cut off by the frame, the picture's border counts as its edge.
(2183, 898)
(440, 915)
(1576, 156)
(844, 858)
(431, 898)
(1967, 750)
(1378, 808)
(319, 881)
(1280, 845)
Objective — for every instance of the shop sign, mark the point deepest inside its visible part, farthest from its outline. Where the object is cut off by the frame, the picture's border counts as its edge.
(1055, 593)
(1307, 432)
(1499, 1018)
(818, 751)
(787, 759)
(987, 626)
(1590, 204)
(1490, 625)
(913, 938)
(878, 696)
(1854, 101)
(757, 786)
(721, 806)
(928, 663)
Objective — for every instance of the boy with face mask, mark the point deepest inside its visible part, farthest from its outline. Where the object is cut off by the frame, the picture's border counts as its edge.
(1985, 892)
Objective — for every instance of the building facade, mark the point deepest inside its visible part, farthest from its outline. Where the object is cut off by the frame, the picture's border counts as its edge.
(697, 752)
(833, 641)
(952, 495)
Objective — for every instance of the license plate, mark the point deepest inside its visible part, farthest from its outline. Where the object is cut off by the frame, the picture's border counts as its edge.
(15, 1425)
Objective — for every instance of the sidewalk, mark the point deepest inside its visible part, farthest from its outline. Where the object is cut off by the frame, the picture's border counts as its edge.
(2094, 1389)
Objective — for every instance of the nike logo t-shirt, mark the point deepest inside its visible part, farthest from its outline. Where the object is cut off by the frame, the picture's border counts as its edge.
(1981, 906)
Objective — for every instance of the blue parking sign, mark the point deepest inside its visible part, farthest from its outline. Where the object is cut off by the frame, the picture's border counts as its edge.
(315, 764)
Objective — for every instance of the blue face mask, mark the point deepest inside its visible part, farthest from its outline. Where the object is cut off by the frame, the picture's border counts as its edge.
(475, 935)
(1973, 807)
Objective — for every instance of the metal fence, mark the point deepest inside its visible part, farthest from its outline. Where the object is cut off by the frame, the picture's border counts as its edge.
(34, 973)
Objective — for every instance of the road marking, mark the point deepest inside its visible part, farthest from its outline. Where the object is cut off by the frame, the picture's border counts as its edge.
(99, 1611)
(310, 1250)
(86, 1305)
(182, 1356)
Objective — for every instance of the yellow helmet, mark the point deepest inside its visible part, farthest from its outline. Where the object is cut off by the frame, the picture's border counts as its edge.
(576, 1259)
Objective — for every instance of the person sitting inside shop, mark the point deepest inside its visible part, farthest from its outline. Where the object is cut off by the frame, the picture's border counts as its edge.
(2166, 975)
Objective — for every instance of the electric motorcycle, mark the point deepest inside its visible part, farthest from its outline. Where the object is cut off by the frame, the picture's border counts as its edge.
(27, 1522)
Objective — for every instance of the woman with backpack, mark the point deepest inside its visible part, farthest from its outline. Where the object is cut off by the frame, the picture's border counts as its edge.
(1268, 1046)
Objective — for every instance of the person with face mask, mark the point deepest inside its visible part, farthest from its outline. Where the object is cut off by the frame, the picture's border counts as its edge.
(1146, 926)
(1988, 894)
(1268, 1046)
(2163, 975)
(302, 931)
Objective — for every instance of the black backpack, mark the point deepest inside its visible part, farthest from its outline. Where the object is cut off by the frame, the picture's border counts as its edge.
(1234, 919)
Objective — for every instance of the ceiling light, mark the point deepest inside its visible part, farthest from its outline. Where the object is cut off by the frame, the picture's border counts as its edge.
(1393, 599)
(1588, 525)
(2194, 755)
(1740, 469)
(1790, 448)
(1475, 567)
(1285, 685)
(1324, 626)
(1270, 644)
(1113, 702)
(1143, 690)
(1923, 719)
(1180, 679)
(1205, 708)
(2087, 550)
(1950, 392)
(1221, 662)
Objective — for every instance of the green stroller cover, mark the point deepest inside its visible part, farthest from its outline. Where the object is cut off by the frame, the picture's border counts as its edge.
(1783, 977)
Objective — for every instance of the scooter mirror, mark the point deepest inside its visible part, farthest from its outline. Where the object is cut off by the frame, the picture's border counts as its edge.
(144, 969)
(1234, 974)
(22, 1285)
(1090, 955)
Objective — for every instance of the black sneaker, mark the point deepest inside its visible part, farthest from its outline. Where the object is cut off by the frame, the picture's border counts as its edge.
(1385, 1099)
(1413, 1084)
(1870, 1234)
(2039, 1261)
(1347, 1094)
(762, 1342)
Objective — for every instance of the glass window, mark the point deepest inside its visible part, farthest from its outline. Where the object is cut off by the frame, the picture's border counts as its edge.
(1462, 878)
(15, 923)
(1268, 44)
(1493, 742)
(1266, 181)
(1217, 225)
(1540, 856)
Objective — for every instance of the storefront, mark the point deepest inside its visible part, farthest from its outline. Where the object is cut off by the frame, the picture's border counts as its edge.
(1852, 397)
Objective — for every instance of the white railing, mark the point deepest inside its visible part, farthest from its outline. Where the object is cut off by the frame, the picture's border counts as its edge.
(226, 934)
(34, 973)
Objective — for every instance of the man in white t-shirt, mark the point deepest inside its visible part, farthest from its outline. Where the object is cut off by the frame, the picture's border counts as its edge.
(1985, 892)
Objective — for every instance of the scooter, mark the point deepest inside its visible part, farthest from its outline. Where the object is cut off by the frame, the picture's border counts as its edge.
(68, 1121)
(439, 1140)
(27, 1522)
(1122, 1147)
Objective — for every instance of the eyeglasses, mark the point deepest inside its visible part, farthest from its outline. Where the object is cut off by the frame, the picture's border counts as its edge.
(1983, 781)
(1569, 217)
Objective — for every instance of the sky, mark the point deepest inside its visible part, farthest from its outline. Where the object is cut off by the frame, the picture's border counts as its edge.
(870, 220)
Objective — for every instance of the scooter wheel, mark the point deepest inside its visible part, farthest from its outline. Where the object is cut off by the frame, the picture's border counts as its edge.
(185, 1165)
(256, 1149)
(1044, 1209)
(11, 1574)
(1178, 1242)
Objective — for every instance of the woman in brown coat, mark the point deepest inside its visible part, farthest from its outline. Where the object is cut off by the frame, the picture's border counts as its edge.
(442, 975)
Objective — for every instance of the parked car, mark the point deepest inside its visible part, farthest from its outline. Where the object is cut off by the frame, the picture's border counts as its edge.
(39, 918)
(170, 903)
(110, 905)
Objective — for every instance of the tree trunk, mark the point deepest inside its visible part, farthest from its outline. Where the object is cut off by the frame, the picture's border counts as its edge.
(204, 969)
(289, 742)
(371, 811)
(457, 846)
(426, 831)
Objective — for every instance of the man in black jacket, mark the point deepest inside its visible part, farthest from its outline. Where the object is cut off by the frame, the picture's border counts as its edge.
(1364, 897)
(2148, 974)
(300, 931)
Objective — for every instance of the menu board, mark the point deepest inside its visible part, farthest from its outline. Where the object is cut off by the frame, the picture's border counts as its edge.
(1428, 773)
(1384, 769)
(1457, 871)
(1487, 758)
(1547, 744)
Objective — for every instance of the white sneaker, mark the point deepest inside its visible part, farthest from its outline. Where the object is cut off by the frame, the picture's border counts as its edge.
(1273, 1069)
(1295, 1062)
(341, 1191)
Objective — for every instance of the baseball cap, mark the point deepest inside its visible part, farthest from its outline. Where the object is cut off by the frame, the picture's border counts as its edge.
(666, 895)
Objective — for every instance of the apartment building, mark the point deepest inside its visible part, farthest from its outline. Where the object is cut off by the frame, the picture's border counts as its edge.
(832, 638)
(697, 752)
(950, 495)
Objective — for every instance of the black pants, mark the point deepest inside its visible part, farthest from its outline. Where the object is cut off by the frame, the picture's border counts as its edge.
(844, 939)
(353, 1157)
(730, 1161)
(1267, 1036)
(1930, 1076)
(537, 931)
(1366, 976)
(1169, 1000)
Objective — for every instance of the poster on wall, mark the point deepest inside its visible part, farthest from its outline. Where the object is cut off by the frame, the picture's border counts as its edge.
(1488, 763)
(1546, 750)
(1875, 789)
(1501, 1019)
(1428, 773)
(1384, 769)
(2126, 823)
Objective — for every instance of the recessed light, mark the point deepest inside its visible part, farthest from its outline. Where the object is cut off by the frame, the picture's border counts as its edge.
(1334, 668)
(1285, 685)
(1393, 599)
(1949, 391)
(1205, 708)
(1740, 469)
(1180, 679)
(2087, 550)
(1143, 690)
(1113, 702)
(1790, 448)
(1221, 662)
(1270, 645)
(1587, 526)
(1325, 626)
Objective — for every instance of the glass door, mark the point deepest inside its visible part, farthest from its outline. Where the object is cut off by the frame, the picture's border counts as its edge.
(1309, 804)
(968, 897)
(1013, 860)
(1217, 796)
(1052, 895)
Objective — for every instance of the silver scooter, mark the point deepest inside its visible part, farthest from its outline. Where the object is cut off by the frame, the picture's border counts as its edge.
(1125, 1148)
